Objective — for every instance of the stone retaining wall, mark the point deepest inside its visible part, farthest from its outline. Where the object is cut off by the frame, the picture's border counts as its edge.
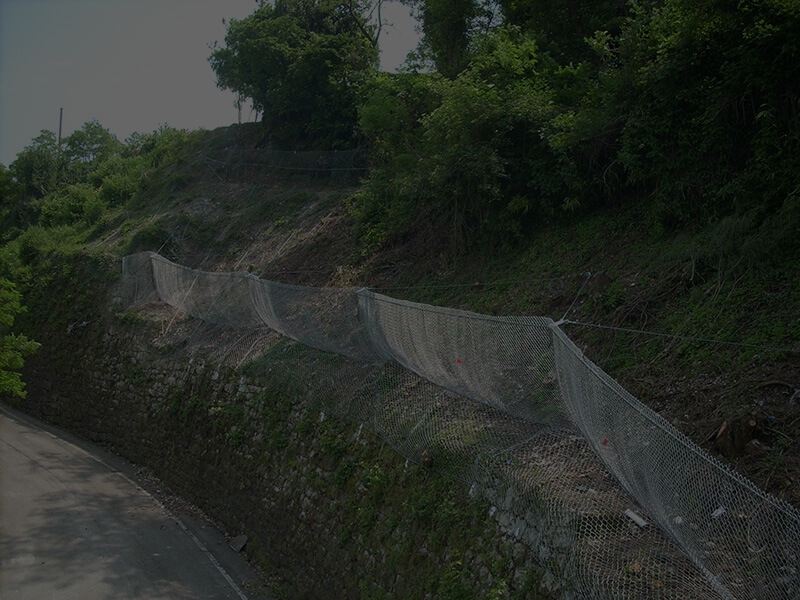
(325, 503)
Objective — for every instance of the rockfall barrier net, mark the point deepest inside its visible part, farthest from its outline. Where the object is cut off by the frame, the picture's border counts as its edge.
(234, 161)
(615, 502)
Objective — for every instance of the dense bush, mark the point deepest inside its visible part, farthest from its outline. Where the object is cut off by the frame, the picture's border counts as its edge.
(119, 178)
(89, 175)
(72, 204)
(13, 347)
(477, 151)
(691, 109)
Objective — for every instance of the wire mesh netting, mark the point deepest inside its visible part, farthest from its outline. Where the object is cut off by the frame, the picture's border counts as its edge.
(615, 502)
(234, 161)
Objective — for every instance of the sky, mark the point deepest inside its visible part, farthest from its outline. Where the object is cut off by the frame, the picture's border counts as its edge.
(131, 64)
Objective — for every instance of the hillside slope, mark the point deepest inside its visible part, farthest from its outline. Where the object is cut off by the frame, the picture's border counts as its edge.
(737, 399)
(219, 204)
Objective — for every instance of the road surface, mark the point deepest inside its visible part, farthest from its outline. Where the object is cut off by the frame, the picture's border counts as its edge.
(73, 524)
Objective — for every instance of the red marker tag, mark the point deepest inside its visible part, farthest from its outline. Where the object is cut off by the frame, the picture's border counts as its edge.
(458, 361)
(605, 442)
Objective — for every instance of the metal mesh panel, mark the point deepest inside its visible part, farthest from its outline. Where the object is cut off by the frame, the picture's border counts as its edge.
(234, 162)
(323, 318)
(615, 501)
(719, 518)
(341, 160)
(137, 285)
(505, 362)
(326, 319)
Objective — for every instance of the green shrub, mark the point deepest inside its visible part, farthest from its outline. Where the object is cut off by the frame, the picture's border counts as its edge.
(119, 179)
(474, 152)
(37, 242)
(75, 203)
(149, 237)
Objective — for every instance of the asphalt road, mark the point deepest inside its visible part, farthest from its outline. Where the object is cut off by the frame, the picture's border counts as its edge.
(73, 524)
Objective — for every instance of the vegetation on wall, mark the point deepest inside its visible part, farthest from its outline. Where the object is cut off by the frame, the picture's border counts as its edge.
(13, 347)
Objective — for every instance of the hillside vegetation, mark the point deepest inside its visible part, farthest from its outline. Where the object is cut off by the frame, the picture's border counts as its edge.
(632, 165)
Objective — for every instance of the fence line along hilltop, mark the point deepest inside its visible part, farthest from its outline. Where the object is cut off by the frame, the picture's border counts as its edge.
(615, 502)
(234, 161)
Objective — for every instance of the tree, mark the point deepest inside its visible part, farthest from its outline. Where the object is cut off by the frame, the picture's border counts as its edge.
(38, 168)
(713, 127)
(562, 27)
(11, 209)
(9, 189)
(89, 146)
(303, 64)
(43, 167)
(446, 29)
(472, 153)
(450, 28)
(13, 348)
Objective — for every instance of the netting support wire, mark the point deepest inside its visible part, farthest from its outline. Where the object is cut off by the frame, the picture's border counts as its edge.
(465, 285)
(169, 237)
(208, 164)
(252, 347)
(277, 253)
(238, 262)
(580, 291)
(544, 431)
(253, 245)
(687, 338)
(189, 291)
(214, 301)
(273, 166)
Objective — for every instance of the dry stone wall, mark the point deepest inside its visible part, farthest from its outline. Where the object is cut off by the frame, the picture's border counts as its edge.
(323, 502)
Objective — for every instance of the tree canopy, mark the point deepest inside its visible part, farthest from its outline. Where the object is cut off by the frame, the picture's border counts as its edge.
(303, 64)
(38, 168)
(78, 182)
(521, 112)
(536, 110)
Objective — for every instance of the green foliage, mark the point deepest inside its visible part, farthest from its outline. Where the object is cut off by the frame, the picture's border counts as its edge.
(9, 189)
(453, 585)
(43, 167)
(79, 185)
(333, 443)
(164, 146)
(714, 128)
(375, 481)
(344, 472)
(391, 117)
(14, 213)
(473, 152)
(118, 179)
(689, 108)
(562, 27)
(148, 237)
(72, 204)
(13, 347)
(38, 168)
(87, 148)
(104, 178)
(488, 141)
(38, 242)
(446, 29)
(302, 64)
